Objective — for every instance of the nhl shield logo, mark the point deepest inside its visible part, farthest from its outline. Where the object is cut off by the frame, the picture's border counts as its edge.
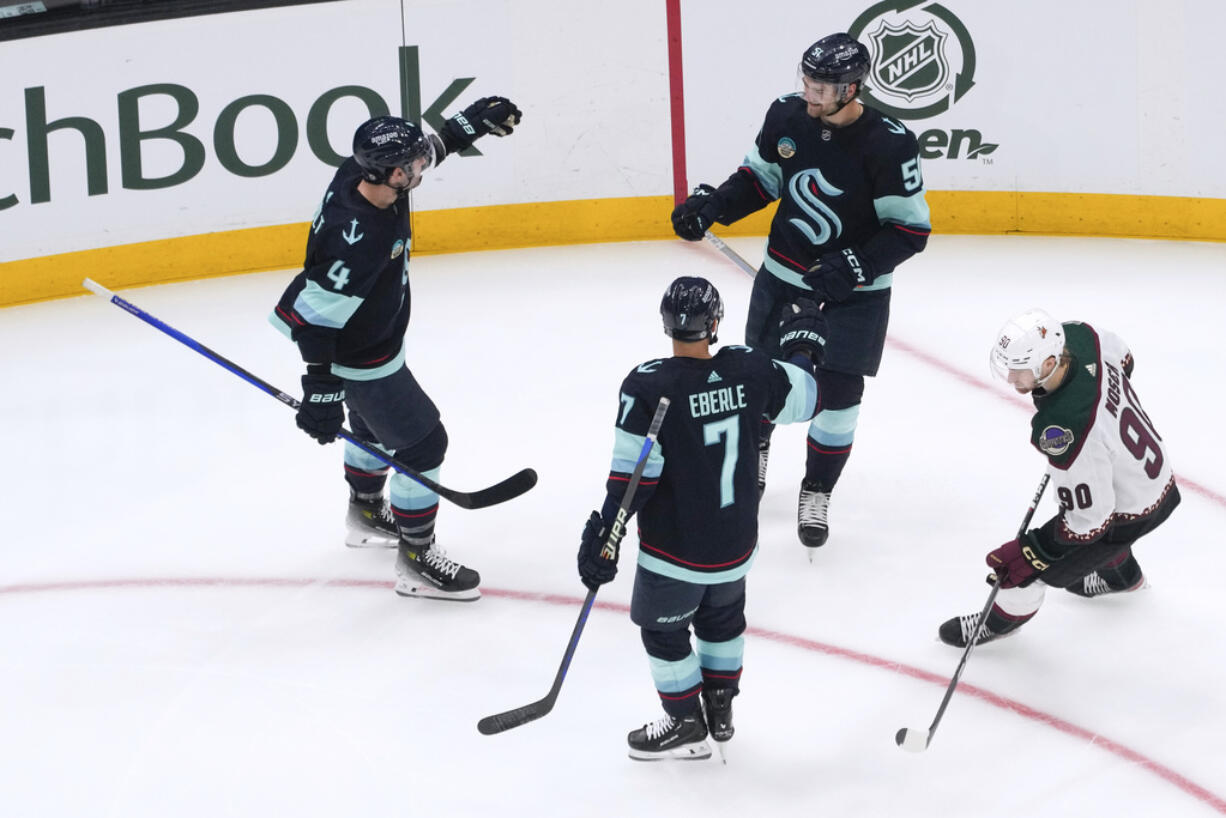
(911, 59)
(923, 58)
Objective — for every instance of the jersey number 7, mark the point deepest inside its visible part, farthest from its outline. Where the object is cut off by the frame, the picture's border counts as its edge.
(729, 430)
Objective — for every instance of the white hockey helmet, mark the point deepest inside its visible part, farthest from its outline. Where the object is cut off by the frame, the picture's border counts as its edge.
(1025, 342)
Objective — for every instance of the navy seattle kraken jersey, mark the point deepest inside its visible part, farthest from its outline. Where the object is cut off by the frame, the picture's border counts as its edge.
(350, 304)
(697, 502)
(837, 187)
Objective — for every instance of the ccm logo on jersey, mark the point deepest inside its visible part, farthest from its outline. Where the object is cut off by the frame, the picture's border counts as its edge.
(1055, 440)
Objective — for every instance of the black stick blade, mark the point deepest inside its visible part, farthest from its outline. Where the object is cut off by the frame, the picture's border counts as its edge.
(508, 489)
(500, 722)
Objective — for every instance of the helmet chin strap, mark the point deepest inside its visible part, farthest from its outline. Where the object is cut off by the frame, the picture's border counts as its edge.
(844, 103)
(1041, 381)
(402, 191)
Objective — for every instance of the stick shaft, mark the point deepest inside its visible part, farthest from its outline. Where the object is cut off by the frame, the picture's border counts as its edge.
(732, 255)
(970, 645)
(499, 722)
(511, 487)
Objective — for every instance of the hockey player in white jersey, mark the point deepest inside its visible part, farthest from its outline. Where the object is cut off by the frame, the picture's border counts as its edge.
(1106, 461)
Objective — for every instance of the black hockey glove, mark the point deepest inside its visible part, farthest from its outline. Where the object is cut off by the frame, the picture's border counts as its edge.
(322, 412)
(496, 115)
(839, 272)
(802, 329)
(698, 212)
(595, 567)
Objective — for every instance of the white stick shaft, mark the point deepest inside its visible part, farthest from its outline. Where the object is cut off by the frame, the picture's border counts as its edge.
(96, 288)
(732, 255)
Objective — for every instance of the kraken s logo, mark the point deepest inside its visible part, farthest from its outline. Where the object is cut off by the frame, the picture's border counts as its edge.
(801, 189)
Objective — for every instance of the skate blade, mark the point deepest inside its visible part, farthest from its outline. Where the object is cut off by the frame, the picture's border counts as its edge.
(370, 542)
(697, 751)
(415, 587)
(355, 538)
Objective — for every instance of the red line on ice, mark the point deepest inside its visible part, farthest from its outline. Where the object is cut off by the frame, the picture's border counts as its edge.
(1165, 773)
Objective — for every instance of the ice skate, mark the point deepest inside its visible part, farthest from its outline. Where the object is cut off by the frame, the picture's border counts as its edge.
(671, 738)
(1093, 585)
(811, 511)
(957, 631)
(429, 573)
(369, 523)
(717, 706)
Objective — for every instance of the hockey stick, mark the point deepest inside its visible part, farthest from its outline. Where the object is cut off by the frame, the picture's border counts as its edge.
(499, 722)
(732, 255)
(509, 488)
(916, 740)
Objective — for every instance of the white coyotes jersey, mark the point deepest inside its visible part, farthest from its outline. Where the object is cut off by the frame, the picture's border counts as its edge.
(1106, 460)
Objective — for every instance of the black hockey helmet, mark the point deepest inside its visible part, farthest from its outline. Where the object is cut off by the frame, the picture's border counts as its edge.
(690, 308)
(839, 59)
(385, 143)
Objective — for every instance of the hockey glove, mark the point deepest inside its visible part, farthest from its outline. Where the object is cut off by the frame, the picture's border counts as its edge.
(496, 115)
(1018, 562)
(803, 330)
(696, 214)
(322, 412)
(595, 567)
(839, 272)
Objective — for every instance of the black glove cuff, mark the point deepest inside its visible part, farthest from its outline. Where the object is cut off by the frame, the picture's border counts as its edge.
(456, 137)
(805, 338)
(1035, 553)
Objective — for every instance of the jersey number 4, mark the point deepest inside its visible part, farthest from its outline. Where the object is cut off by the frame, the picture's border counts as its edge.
(339, 274)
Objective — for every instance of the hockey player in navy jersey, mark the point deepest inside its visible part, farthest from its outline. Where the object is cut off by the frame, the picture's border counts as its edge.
(348, 311)
(1106, 461)
(697, 504)
(851, 209)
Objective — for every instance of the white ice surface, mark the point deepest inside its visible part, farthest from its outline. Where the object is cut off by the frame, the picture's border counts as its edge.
(182, 631)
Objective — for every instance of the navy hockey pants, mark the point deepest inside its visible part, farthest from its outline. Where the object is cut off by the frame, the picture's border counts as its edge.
(664, 609)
